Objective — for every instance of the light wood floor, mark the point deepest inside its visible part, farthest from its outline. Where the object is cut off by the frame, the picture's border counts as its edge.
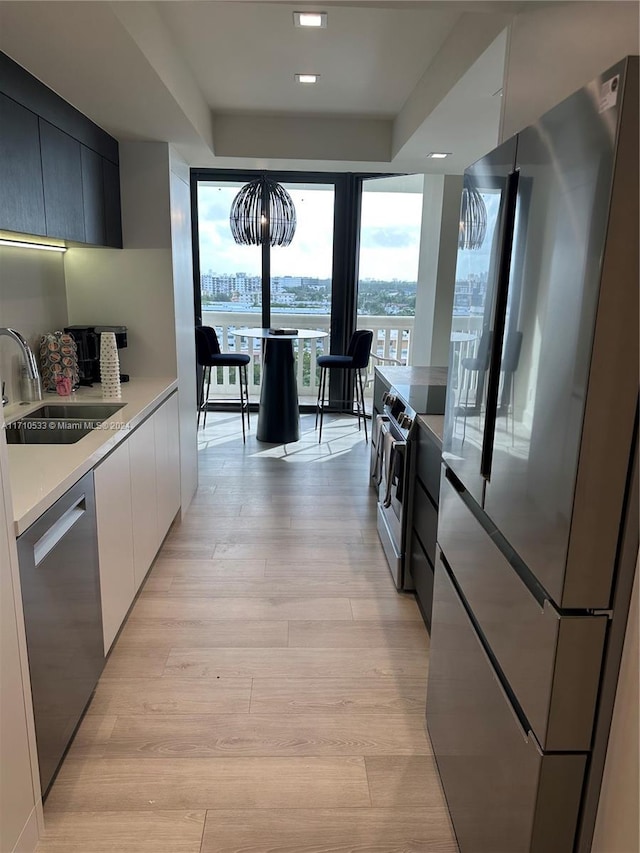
(267, 693)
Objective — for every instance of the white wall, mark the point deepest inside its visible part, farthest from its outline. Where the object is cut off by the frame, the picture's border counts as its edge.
(446, 272)
(557, 49)
(309, 137)
(436, 269)
(148, 285)
(144, 184)
(180, 195)
(132, 288)
(618, 820)
(32, 301)
(156, 218)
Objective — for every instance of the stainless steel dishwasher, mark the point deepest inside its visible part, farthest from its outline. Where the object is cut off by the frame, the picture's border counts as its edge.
(60, 583)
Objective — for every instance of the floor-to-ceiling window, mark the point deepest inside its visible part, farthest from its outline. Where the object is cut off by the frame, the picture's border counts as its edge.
(344, 221)
(390, 229)
(230, 274)
(302, 275)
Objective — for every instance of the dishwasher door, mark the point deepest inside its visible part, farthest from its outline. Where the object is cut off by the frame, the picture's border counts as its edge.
(60, 583)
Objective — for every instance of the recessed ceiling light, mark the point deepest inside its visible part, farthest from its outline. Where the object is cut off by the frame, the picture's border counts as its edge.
(310, 19)
(439, 155)
(307, 78)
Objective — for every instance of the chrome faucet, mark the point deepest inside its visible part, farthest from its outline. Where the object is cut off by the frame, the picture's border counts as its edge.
(31, 381)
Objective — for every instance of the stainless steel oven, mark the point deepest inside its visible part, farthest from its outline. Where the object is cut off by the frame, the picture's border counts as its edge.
(391, 469)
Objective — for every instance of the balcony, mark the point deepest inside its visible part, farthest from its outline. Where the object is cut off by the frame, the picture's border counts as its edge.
(392, 338)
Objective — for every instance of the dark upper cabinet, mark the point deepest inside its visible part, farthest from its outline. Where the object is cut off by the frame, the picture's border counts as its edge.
(93, 196)
(62, 181)
(101, 199)
(59, 174)
(21, 195)
(113, 219)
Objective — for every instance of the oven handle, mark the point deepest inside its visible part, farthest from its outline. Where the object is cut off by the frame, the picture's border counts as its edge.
(377, 441)
(394, 449)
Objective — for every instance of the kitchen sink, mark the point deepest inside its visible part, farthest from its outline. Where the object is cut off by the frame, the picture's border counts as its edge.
(52, 431)
(59, 423)
(75, 411)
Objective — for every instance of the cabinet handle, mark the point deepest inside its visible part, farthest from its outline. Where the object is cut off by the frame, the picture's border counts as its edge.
(48, 541)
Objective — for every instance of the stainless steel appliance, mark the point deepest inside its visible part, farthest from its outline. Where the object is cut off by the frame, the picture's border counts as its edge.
(393, 471)
(58, 557)
(538, 508)
(392, 467)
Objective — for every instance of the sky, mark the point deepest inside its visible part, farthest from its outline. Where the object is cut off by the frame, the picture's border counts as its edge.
(389, 241)
(390, 235)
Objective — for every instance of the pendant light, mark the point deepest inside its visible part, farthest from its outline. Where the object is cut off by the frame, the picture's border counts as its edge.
(473, 217)
(259, 205)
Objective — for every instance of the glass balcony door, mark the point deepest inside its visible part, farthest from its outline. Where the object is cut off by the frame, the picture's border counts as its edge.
(230, 281)
(301, 278)
(300, 282)
(390, 232)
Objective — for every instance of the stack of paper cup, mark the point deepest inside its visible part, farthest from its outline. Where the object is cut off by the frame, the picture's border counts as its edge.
(109, 365)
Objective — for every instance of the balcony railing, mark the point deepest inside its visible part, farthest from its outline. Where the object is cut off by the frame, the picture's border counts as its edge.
(392, 338)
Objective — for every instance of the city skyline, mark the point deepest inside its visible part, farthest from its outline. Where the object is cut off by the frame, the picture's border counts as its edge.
(303, 294)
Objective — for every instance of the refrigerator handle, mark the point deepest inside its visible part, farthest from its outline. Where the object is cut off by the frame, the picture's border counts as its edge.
(502, 293)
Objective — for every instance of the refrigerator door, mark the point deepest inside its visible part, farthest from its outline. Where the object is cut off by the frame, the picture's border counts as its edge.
(555, 384)
(504, 794)
(473, 321)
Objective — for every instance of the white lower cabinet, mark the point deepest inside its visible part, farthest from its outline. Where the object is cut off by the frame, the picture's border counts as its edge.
(167, 440)
(137, 497)
(18, 823)
(112, 479)
(144, 499)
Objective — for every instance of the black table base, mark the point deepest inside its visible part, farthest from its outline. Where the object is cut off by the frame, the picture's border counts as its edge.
(278, 419)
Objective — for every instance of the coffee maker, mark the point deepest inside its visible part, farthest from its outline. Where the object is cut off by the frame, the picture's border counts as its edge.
(87, 340)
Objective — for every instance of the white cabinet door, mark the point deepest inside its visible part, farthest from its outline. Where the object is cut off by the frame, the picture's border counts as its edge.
(144, 503)
(17, 798)
(115, 540)
(167, 462)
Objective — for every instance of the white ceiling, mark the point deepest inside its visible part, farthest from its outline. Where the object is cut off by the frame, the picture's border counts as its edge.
(216, 79)
(244, 55)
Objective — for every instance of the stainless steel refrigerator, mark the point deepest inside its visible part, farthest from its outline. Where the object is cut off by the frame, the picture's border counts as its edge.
(538, 523)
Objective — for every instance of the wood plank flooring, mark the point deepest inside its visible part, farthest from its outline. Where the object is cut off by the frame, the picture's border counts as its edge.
(267, 692)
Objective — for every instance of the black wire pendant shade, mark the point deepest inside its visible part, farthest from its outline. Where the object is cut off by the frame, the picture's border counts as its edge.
(246, 218)
(473, 217)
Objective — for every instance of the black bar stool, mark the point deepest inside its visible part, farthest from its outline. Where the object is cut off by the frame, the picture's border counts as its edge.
(356, 359)
(208, 355)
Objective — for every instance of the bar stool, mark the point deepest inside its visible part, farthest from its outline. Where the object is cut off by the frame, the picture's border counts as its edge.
(356, 359)
(208, 355)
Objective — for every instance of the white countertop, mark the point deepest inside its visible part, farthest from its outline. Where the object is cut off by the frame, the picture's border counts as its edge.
(400, 375)
(41, 473)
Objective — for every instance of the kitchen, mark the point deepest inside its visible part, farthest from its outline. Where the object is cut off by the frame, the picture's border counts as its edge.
(155, 265)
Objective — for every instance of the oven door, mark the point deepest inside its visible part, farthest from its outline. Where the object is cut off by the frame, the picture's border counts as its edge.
(375, 470)
(391, 499)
